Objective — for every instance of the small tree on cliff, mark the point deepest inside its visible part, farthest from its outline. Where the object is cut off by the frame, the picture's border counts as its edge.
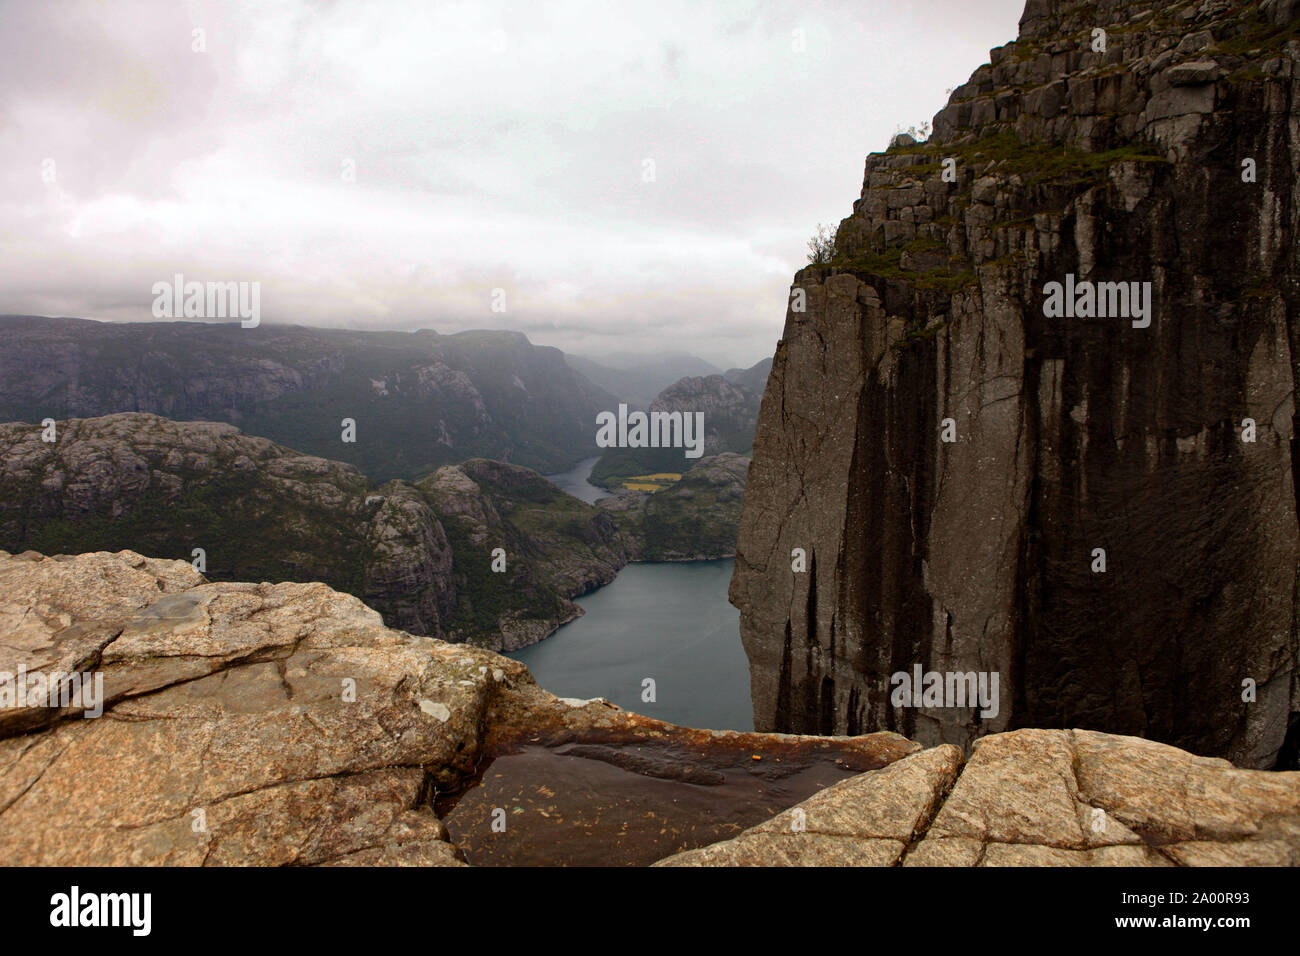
(821, 246)
(919, 133)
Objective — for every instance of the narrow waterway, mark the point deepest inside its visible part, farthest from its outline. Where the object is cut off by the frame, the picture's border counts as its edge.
(574, 481)
(668, 623)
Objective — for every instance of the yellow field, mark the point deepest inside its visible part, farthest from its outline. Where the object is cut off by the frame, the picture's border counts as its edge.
(656, 482)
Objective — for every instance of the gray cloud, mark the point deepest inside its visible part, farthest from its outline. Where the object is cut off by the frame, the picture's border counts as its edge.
(495, 145)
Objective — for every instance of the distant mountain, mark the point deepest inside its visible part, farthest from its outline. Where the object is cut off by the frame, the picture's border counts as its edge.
(730, 416)
(419, 399)
(419, 554)
(553, 546)
(636, 379)
(695, 519)
(754, 379)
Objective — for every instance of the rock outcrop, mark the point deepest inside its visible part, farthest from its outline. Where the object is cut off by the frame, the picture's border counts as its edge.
(420, 553)
(553, 548)
(283, 724)
(1034, 798)
(1100, 510)
(753, 378)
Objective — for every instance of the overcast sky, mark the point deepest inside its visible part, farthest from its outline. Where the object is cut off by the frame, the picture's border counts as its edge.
(494, 145)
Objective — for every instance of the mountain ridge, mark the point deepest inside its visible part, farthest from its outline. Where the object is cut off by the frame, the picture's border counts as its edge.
(481, 551)
(419, 399)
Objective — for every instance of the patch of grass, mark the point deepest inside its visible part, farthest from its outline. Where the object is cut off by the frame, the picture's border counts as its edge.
(619, 465)
(1258, 34)
(884, 263)
(1249, 74)
(1024, 50)
(656, 482)
(948, 283)
(1042, 162)
(887, 265)
(1003, 152)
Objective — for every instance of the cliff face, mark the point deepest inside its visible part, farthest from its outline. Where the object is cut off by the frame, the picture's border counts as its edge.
(1069, 434)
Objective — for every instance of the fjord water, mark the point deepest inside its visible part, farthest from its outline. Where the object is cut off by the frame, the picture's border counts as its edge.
(574, 481)
(669, 622)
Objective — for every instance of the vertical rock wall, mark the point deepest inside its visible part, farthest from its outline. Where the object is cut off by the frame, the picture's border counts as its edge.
(1072, 434)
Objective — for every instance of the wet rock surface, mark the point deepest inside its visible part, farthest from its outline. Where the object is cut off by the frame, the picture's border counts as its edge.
(629, 803)
(867, 820)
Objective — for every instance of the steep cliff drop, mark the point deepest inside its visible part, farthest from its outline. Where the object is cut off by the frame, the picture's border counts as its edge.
(981, 477)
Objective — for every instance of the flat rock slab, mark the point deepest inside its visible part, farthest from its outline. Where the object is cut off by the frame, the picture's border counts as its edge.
(868, 820)
(1035, 798)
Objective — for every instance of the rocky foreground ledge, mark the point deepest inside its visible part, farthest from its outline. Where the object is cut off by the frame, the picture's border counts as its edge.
(279, 724)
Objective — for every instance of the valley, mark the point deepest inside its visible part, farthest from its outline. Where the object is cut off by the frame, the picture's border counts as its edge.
(994, 562)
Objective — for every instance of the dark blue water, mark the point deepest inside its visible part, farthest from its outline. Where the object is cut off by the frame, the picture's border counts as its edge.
(667, 622)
